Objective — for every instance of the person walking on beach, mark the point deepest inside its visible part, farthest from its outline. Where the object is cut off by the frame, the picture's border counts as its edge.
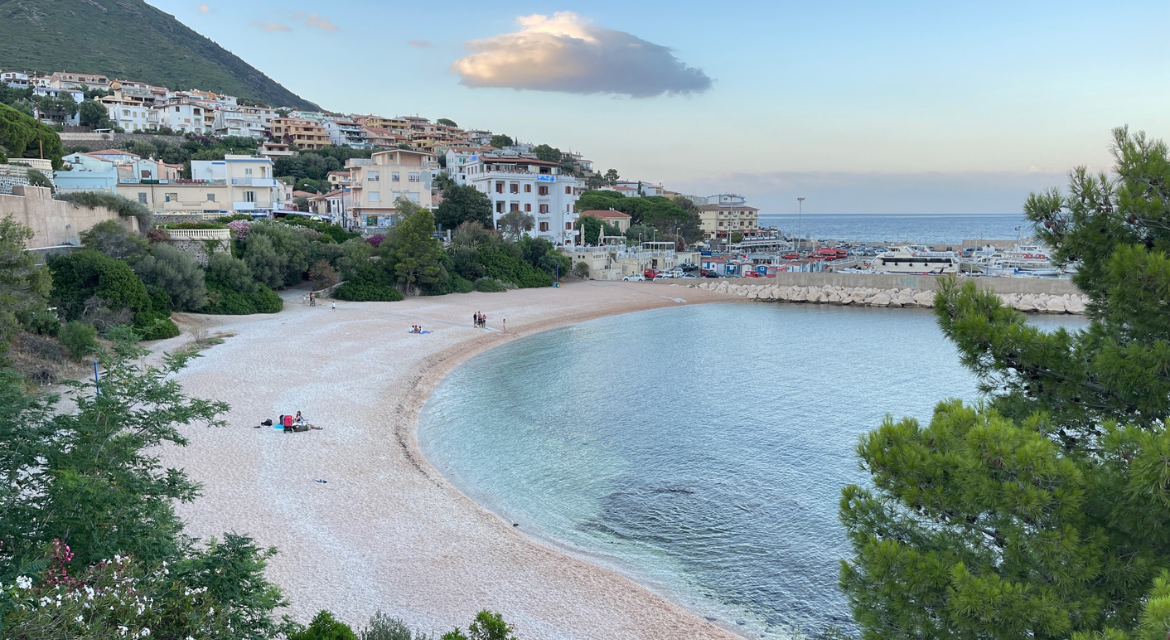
(505, 324)
(334, 305)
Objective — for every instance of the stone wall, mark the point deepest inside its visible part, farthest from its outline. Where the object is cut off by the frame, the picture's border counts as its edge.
(201, 243)
(876, 297)
(100, 141)
(923, 283)
(55, 222)
(12, 176)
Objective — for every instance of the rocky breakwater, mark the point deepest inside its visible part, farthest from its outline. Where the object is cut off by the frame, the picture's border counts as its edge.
(871, 297)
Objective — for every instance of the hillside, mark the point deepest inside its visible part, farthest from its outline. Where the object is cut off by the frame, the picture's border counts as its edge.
(130, 40)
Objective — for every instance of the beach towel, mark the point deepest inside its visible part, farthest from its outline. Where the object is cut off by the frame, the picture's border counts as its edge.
(420, 334)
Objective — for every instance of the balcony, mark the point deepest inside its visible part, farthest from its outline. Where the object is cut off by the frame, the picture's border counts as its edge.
(253, 182)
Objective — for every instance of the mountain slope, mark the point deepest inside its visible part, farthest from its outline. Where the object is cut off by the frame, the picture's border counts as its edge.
(129, 40)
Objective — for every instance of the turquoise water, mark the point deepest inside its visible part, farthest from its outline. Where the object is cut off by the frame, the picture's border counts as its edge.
(699, 450)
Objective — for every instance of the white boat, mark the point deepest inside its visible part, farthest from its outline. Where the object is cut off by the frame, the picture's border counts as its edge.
(915, 259)
(1023, 260)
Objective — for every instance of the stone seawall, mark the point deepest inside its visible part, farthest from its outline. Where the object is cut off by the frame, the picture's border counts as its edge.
(1034, 286)
(1073, 303)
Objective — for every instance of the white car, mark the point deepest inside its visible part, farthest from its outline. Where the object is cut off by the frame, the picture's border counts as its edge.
(634, 277)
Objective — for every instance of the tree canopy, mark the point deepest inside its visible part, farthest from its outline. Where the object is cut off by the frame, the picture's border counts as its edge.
(19, 135)
(463, 204)
(1042, 512)
(500, 141)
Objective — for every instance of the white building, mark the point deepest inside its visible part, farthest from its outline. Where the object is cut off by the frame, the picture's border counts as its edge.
(186, 117)
(639, 188)
(14, 80)
(457, 159)
(77, 95)
(238, 122)
(727, 200)
(535, 187)
(251, 186)
(132, 117)
(344, 133)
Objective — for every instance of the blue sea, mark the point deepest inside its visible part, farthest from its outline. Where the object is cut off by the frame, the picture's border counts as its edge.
(914, 228)
(699, 450)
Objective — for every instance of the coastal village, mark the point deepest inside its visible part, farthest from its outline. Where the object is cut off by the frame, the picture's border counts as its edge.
(274, 372)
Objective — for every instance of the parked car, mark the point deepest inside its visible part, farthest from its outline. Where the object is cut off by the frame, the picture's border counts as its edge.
(752, 274)
(662, 276)
(635, 277)
(690, 276)
(711, 274)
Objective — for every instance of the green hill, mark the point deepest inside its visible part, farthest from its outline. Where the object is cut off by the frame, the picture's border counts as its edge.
(129, 40)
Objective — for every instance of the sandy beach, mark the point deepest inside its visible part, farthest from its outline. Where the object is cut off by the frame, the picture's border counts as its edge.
(386, 530)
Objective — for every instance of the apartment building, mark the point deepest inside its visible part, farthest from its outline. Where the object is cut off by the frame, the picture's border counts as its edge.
(65, 80)
(385, 138)
(304, 134)
(338, 179)
(515, 182)
(187, 117)
(378, 183)
(611, 217)
(131, 117)
(727, 199)
(236, 184)
(137, 93)
(723, 220)
(239, 122)
(344, 133)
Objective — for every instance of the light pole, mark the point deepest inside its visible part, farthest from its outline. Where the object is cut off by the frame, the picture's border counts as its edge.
(800, 220)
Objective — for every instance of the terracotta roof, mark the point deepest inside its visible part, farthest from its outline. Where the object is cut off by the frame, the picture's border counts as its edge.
(605, 213)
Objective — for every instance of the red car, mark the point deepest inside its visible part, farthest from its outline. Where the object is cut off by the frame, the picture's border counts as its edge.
(752, 274)
(791, 256)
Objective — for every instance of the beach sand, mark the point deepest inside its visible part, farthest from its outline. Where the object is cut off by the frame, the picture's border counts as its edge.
(387, 531)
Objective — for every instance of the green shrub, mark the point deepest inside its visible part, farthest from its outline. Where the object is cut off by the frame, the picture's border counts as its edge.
(19, 136)
(42, 323)
(82, 276)
(461, 285)
(383, 627)
(122, 206)
(369, 282)
(324, 627)
(222, 300)
(581, 269)
(112, 239)
(176, 273)
(489, 285)
(79, 338)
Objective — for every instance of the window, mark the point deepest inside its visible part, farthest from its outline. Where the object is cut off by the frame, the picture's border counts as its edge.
(413, 177)
(568, 226)
(515, 206)
(543, 190)
(247, 172)
(145, 174)
(527, 188)
(514, 188)
(544, 208)
(125, 112)
(172, 197)
(499, 187)
(142, 198)
(211, 197)
(568, 191)
(375, 196)
(393, 176)
(499, 205)
(249, 196)
(544, 226)
(527, 208)
(176, 109)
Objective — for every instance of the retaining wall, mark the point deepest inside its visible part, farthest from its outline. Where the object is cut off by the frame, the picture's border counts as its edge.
(55, 222)
(99, 141)
(201, 243)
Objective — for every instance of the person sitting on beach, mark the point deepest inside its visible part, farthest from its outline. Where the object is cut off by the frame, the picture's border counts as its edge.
(299, 419)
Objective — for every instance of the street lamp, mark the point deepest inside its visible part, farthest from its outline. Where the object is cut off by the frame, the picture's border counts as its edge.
(800, 219)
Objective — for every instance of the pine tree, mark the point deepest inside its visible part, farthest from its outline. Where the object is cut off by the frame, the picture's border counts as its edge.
(1043, 512)
(418, 253)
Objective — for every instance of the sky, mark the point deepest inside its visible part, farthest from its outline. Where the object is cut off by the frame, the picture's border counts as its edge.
(858, 106)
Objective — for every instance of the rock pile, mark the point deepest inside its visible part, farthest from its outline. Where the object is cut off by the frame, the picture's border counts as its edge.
(870, 297)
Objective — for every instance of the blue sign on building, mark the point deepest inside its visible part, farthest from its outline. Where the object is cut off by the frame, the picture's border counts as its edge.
(546, 178)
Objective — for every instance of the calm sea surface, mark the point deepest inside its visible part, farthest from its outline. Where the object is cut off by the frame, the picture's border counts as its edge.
(923, 228)
(699, 450)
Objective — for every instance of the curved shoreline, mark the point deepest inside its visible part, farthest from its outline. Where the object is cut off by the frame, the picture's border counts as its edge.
(396, 534)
